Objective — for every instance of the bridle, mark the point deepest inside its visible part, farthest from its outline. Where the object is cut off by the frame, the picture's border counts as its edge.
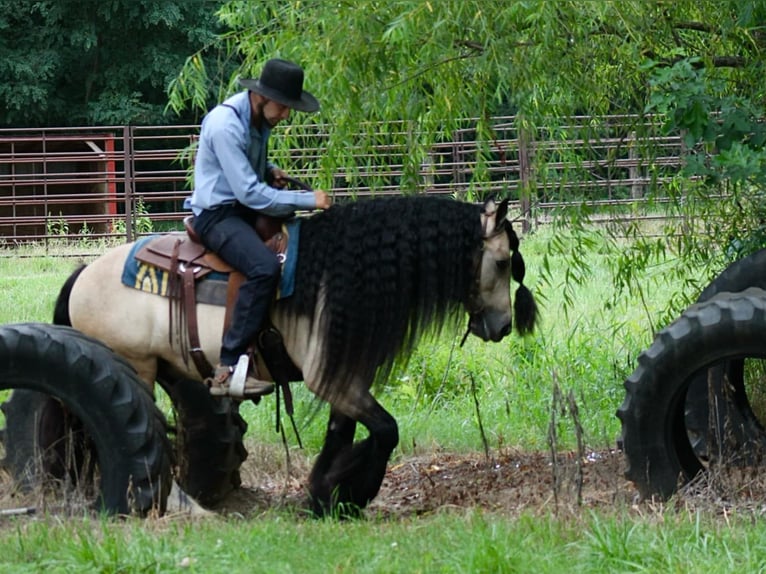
(485, 237)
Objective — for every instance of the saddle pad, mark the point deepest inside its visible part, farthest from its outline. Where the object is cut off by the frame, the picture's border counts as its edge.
(211, 289)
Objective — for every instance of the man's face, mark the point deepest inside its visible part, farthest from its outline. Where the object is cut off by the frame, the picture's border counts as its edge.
(273, 112)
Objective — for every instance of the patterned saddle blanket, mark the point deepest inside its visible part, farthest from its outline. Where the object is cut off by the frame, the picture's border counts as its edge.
(210, 286)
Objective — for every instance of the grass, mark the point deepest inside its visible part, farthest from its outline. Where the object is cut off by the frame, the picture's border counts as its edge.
(446, 542)
(586, 345)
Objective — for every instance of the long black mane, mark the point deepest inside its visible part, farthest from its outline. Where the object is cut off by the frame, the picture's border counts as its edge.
(392, 268)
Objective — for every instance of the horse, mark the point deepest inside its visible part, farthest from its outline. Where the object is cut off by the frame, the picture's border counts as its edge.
(372, 277)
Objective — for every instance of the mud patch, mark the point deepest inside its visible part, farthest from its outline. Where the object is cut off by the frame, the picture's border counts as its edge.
(509, 483)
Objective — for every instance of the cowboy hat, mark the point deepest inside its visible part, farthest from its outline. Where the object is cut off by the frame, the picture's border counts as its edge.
(282, 81)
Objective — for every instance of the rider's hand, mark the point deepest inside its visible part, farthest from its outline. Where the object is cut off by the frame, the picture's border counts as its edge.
(322, 200)
(278, 178)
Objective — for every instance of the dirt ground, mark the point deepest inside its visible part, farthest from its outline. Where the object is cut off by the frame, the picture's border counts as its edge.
(508, 482)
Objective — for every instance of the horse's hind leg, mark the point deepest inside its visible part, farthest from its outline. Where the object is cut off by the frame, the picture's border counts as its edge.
(347, 476)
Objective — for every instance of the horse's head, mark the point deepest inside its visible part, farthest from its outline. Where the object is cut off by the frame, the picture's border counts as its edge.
(490, 302)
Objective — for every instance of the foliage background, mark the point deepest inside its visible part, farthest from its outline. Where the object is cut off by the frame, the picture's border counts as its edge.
(97, 62)
(408, 72)
(697, 65)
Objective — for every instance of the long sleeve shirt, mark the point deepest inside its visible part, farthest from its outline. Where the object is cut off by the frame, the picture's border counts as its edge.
(231, 164)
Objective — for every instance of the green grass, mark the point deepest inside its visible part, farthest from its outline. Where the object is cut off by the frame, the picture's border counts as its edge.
(468, 542)
(586, 344)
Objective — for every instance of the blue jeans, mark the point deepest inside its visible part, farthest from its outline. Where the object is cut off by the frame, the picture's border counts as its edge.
(229, 231)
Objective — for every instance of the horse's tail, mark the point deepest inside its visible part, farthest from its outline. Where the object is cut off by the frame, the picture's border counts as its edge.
(524, 307)
(61, 310)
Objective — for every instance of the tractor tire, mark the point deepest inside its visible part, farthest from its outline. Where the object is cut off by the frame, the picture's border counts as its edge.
(740, 275)
(68, 385)
(209, 444)
(207, 439)
(658, 451)
(724, 386)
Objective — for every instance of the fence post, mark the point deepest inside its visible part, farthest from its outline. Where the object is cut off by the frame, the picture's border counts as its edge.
(130, 184)
(458, 177)
(634, 169)
(525, 176)
(428, 170)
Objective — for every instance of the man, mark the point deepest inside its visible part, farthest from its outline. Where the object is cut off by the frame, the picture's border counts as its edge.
(233, 183)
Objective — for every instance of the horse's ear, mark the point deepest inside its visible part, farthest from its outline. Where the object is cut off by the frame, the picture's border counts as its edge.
(490, 206)
(502, 212)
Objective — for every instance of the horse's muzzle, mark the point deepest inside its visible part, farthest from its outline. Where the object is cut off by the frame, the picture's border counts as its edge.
(490, 327)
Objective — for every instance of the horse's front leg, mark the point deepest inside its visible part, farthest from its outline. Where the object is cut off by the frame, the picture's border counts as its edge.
(347, 476)
(339, 438)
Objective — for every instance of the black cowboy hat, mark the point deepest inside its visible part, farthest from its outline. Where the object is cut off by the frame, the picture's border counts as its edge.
(282, 81)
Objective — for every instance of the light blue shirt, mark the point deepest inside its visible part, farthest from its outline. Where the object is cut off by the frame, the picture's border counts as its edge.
(230, 165)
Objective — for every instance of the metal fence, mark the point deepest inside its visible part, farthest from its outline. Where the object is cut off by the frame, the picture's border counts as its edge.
(123, 181)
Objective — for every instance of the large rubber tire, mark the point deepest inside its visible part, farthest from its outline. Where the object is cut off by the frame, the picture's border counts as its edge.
(208, 441)
(740, 275)
(659, 454)
(35, 427)
(80, 387)
(724, 386)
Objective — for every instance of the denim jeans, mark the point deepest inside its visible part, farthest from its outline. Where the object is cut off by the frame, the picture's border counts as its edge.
(229, 231)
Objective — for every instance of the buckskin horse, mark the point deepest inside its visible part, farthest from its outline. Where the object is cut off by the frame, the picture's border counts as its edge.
(371, 277)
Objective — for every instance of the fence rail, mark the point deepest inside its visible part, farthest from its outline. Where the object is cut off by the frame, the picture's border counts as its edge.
(120, 181)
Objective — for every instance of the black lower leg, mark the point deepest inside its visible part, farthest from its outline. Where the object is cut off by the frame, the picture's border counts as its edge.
(346, 478)
(339, 437)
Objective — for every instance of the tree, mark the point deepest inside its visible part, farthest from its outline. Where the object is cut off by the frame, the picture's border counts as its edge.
(96, 62)
(436, 64)
(411, 59)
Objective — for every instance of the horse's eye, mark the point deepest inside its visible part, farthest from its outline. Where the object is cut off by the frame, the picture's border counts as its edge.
(503, 264)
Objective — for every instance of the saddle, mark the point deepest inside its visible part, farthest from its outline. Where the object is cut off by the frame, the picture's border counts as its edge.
(186, 260)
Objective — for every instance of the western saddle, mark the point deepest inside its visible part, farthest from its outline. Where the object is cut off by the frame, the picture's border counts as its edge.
(186, 260)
